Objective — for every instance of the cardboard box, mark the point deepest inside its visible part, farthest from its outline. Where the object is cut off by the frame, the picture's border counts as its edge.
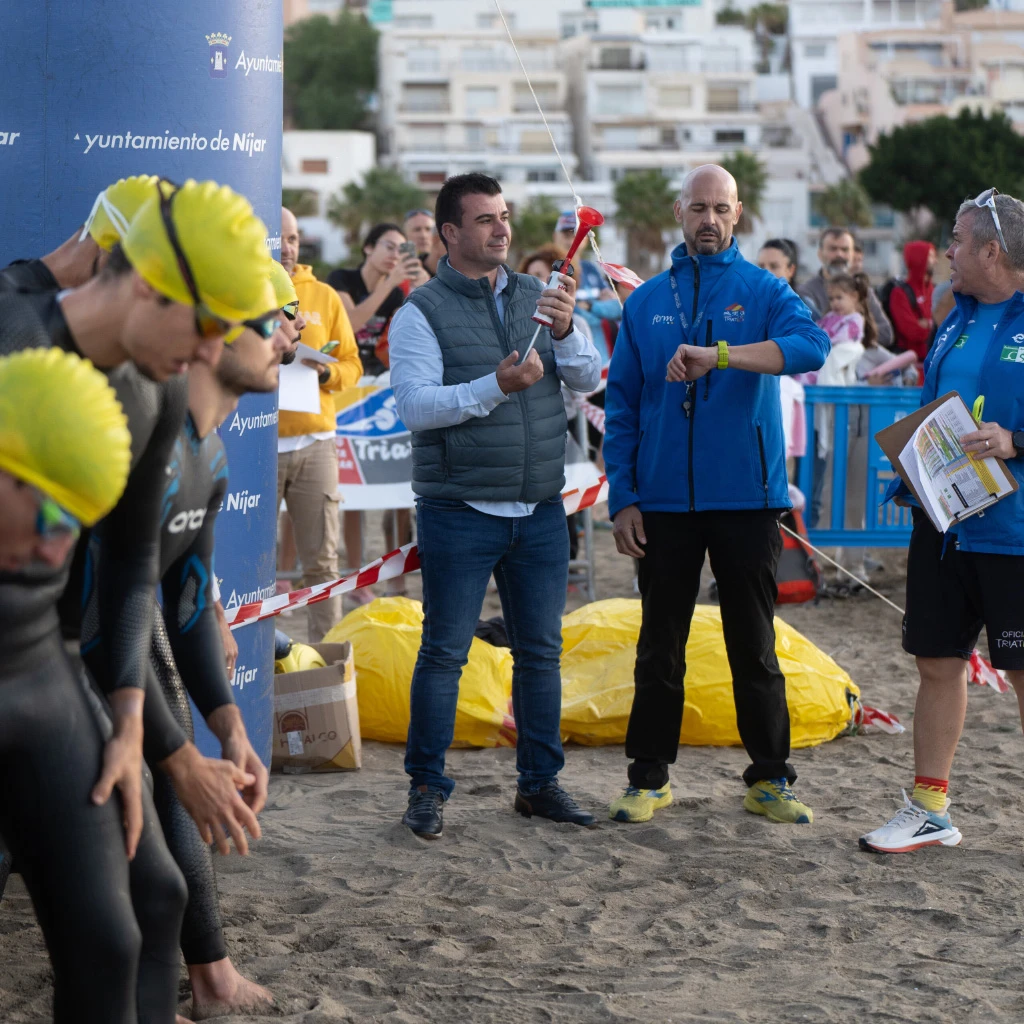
(316, 716)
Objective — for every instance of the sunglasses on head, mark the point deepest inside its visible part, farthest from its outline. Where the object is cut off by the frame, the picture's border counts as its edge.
(52, 522)
(987, 199)
(208, 324)
(419, 213)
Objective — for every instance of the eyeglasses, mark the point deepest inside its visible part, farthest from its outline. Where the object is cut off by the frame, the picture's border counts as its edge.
(52, 522)
(988, 199)
(208, 324)
(291, 309)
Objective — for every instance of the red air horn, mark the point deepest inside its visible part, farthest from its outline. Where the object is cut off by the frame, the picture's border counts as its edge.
(589, 218)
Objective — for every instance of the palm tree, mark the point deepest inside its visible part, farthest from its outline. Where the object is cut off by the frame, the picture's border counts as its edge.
(751, 180)
(846, 204)
(643, 201)
(383, 195)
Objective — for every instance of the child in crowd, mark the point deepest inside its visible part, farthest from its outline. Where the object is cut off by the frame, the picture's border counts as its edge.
(849, 325)
(852, 331)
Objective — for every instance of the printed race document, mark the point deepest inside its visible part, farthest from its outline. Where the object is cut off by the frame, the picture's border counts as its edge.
(949, 484)
(299, 388)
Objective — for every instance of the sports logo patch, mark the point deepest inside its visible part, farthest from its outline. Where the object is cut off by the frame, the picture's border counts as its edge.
(734, 314)
(1012, 354)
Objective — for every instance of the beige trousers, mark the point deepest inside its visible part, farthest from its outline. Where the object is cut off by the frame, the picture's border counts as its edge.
(308, 482)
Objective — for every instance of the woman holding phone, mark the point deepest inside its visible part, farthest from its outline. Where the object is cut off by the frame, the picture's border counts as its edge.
(372, 292)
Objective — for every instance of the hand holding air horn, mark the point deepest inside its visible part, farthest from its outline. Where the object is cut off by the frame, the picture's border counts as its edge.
(588, 218)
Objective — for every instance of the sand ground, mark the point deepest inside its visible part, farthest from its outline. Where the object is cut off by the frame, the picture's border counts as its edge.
(705, 914)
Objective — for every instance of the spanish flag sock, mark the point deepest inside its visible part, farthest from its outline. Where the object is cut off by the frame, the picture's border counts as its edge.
(930, 793)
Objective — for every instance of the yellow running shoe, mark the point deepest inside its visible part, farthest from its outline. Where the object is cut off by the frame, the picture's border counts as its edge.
(640, 804)
(777, 802)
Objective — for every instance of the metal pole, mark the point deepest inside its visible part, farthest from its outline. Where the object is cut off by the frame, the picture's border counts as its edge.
(588, 516)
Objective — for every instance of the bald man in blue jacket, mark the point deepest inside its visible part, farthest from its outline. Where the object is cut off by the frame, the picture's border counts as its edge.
(697, 466)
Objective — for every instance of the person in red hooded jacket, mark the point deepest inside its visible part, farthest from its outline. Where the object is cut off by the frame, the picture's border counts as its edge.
(913, 324)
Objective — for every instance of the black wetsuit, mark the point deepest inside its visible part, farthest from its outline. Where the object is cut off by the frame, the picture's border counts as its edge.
(111, 927)
(28, 276)
(186, 645)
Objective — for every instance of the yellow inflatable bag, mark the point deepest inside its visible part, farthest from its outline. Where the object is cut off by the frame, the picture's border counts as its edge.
(599, 650)
(385, 638)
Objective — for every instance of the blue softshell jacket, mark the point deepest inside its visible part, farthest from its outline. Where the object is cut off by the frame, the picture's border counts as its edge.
(729, 452)
(998, 530)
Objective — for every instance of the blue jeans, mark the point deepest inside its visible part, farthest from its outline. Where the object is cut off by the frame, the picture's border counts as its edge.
(460, 548)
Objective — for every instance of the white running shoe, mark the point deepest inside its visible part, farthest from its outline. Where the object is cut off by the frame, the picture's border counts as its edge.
(912, 828)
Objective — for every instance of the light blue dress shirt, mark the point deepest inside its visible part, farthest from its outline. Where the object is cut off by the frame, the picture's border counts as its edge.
(424, 403)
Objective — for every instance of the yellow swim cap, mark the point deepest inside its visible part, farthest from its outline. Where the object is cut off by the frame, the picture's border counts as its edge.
(222, 239)
(115, 208)
(268, 304)
(62, 430)
(284, 289)
(300, 658)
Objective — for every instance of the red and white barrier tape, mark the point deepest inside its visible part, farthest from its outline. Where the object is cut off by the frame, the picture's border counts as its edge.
(981, 672)
(595, 415)
(396, 563)
(867, 719)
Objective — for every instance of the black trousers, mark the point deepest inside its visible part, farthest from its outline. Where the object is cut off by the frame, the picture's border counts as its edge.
(744, 547)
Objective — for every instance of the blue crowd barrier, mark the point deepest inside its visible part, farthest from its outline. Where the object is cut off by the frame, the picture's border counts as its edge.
(886, 526)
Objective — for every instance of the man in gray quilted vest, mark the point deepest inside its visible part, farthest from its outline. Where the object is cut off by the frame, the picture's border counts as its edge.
(488, 435)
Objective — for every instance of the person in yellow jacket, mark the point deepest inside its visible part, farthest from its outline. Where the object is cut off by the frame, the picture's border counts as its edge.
(307, 460)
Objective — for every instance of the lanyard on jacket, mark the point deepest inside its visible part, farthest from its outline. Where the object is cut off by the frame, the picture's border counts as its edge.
(684, 326)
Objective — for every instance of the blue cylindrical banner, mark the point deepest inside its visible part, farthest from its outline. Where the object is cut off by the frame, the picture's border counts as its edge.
(96, 90)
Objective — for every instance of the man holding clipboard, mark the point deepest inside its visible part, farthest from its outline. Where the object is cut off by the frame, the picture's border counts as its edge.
(973, 574)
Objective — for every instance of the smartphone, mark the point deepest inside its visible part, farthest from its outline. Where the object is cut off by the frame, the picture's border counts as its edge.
(407, 249)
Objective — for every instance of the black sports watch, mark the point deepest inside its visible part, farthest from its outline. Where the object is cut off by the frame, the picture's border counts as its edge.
(1017, 440)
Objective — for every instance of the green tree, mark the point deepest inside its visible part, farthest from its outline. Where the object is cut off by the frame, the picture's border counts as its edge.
(937, 163)
(751, 181)
(302, 202)
(643, 201)
(970, 5)
(533, 224)
(770, 18)
(845, 204)
(383, 195)
(728, 15)
(330, 71)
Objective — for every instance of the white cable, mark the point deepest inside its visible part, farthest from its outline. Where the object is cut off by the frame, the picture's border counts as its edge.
(867, 586)
(540, 109)
(577, 200)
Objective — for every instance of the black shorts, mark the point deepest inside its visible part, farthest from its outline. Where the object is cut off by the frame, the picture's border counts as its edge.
(951, 595)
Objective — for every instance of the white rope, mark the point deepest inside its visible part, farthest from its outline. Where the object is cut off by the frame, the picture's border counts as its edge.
(540, 110)
(577, 200)
(864, 583)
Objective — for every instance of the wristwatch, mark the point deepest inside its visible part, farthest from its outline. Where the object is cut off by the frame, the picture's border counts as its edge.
(1017, 439)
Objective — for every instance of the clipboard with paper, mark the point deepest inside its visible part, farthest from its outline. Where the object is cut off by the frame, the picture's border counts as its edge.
(949, 484)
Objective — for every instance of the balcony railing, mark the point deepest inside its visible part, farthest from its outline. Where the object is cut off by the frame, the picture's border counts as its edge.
(425, 107)
(434, 67)
(730, 106)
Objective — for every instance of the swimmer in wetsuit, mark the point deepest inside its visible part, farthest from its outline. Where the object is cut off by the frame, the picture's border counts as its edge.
(152, 320)
(64, 460)
(187, 656)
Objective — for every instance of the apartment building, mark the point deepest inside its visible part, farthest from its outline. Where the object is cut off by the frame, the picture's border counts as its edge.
(887, 79)
(316, 166)
(456, 99)
(816, 25)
